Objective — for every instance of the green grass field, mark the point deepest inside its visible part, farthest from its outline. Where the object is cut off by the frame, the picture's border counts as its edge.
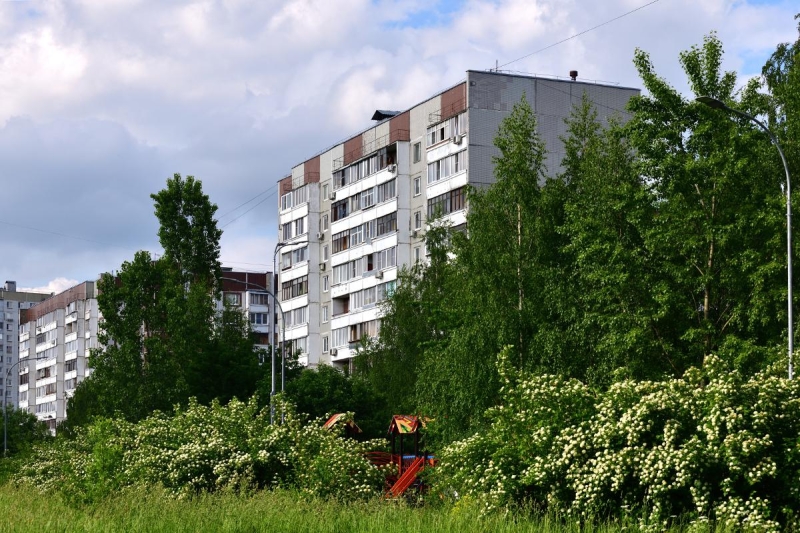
(25, 509)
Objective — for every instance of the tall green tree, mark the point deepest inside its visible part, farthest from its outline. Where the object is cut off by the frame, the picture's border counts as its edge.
(163, 339)
(715, 242)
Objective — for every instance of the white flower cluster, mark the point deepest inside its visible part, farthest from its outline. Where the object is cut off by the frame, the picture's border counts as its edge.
(709, 446)
(206, 448)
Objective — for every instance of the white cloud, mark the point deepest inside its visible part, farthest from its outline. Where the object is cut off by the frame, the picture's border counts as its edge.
(54, 286)
(100, 101)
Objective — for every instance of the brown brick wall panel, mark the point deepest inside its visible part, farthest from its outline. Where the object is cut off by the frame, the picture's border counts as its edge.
(353, 149)
(60, 301)
(311, 170)
(247, 281)
(454, 101)
(399, 127)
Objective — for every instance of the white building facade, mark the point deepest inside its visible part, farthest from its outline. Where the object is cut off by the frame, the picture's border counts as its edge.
(251, 293)
(355, 214)
(55, 337)
(11, 302)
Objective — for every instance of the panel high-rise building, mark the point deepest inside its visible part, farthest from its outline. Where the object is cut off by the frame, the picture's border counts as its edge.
(354, 214)
(11, 302)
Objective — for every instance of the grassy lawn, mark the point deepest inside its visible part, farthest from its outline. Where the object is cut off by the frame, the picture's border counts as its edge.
(24, 509)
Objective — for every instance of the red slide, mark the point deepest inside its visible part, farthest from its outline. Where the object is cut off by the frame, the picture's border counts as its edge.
(408, 477)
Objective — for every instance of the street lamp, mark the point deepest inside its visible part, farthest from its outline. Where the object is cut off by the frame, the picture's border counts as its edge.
(5, 402)
(716, 104)
(272, 350)
(278, 246)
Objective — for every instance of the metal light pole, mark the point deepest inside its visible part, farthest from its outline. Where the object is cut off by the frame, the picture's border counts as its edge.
(717, 104)
(278, 246)
(5, 402)
(277, 303)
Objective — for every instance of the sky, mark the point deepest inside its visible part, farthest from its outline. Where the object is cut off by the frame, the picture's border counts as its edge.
(102, 100)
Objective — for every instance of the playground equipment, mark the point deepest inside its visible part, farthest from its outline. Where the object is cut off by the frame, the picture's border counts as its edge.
(410, 462)
(405, 454)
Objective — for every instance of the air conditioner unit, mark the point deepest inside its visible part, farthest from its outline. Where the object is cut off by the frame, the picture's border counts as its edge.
(334, 352)
(457, 139)
(320, 236)
(392, 168)
(322, 266)
(379, 275)
(415, 233)
(332, 196)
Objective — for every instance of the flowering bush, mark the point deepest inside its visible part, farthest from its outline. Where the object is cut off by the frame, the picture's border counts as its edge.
(206, 448)
(709, 446)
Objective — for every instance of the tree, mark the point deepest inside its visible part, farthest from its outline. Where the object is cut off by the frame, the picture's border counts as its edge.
(715, 241)
(163, 339)
(326, 390)
(24, 430)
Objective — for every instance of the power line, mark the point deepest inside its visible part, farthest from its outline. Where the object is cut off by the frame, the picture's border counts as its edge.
(243, 214)
(245, 203)
(579, 34)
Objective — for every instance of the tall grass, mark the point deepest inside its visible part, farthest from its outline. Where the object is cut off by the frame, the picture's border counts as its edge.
(150, 509)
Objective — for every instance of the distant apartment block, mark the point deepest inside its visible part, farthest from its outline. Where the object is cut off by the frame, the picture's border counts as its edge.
(354, 214)
(250, 292)
(55, 337)
(11, 302)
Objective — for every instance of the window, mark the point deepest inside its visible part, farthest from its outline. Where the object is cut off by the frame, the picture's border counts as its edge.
(23, 379)
(447, 166)
(71, 346)
(287, 231)
(446, 203)
(417, 186)
(70, 365)
(233, 298)
(294, 288)
(258, 298)
(357, 235)
(341, 241)
(324, 313)
(300, 226)
(259, 319)
(417, 219)
(286, 201)
(325, 253)
(296, 317)
(416, 254)
(325, 344)
(300, 195)
(286, 260)
(386, 224)
(386, 258)
(387, 191)
(70, 384)
(445, 130)
(340, 210)
(46, 372)
(339, 337)
(300, 345)
(417, 152)
(324, 283)
(367, 198)
(325, 191)
(8, 349)
(49, 407)
(324, 223)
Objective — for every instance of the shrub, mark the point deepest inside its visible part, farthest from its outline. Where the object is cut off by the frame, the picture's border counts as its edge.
(203, 449)
(709, 446)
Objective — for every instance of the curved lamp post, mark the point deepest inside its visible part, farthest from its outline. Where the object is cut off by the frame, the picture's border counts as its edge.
(5, 402)
(716, 104)
(272, 349)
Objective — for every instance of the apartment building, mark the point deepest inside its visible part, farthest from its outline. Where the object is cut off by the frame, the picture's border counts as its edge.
(11, 302)
(354, 214)
(251, 292)
(55, 337)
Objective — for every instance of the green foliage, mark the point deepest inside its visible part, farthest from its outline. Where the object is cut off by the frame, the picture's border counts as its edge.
(23, 430)
(202, 449)
(163, 339)
(326, 390)
(712, 445)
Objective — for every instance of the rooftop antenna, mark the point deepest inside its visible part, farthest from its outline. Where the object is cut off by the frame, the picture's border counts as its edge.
(496, 65)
